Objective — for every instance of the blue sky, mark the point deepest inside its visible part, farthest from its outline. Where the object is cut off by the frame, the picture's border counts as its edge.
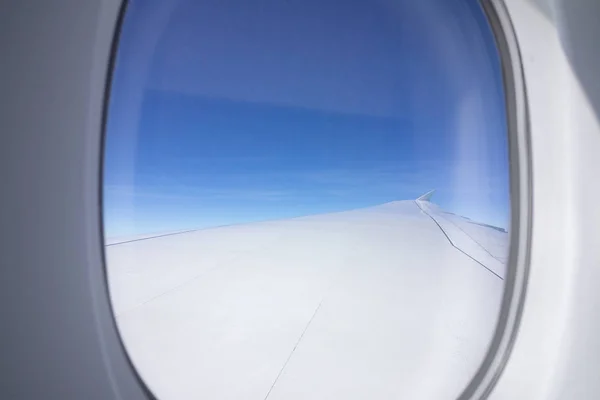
(237, 111)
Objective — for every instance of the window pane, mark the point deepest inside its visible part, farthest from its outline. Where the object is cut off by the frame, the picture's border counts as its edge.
(271, 230)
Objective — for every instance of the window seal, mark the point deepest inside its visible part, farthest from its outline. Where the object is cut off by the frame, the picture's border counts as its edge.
(521, 192)
(108, 86)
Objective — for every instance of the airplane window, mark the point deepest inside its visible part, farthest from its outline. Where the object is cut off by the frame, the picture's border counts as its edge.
(306, 199)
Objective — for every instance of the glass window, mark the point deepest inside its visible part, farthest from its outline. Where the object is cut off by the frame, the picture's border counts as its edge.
(306, 199)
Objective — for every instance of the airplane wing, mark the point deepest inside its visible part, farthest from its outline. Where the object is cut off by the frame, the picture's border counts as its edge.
(394, 301)
(485, 244)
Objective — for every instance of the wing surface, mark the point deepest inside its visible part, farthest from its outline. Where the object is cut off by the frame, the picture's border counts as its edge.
(486, 244)
(369, 303)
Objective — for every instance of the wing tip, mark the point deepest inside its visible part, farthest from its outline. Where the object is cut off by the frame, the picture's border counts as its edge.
(426, 196)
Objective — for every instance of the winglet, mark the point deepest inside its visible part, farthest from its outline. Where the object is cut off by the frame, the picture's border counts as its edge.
(426, 196)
